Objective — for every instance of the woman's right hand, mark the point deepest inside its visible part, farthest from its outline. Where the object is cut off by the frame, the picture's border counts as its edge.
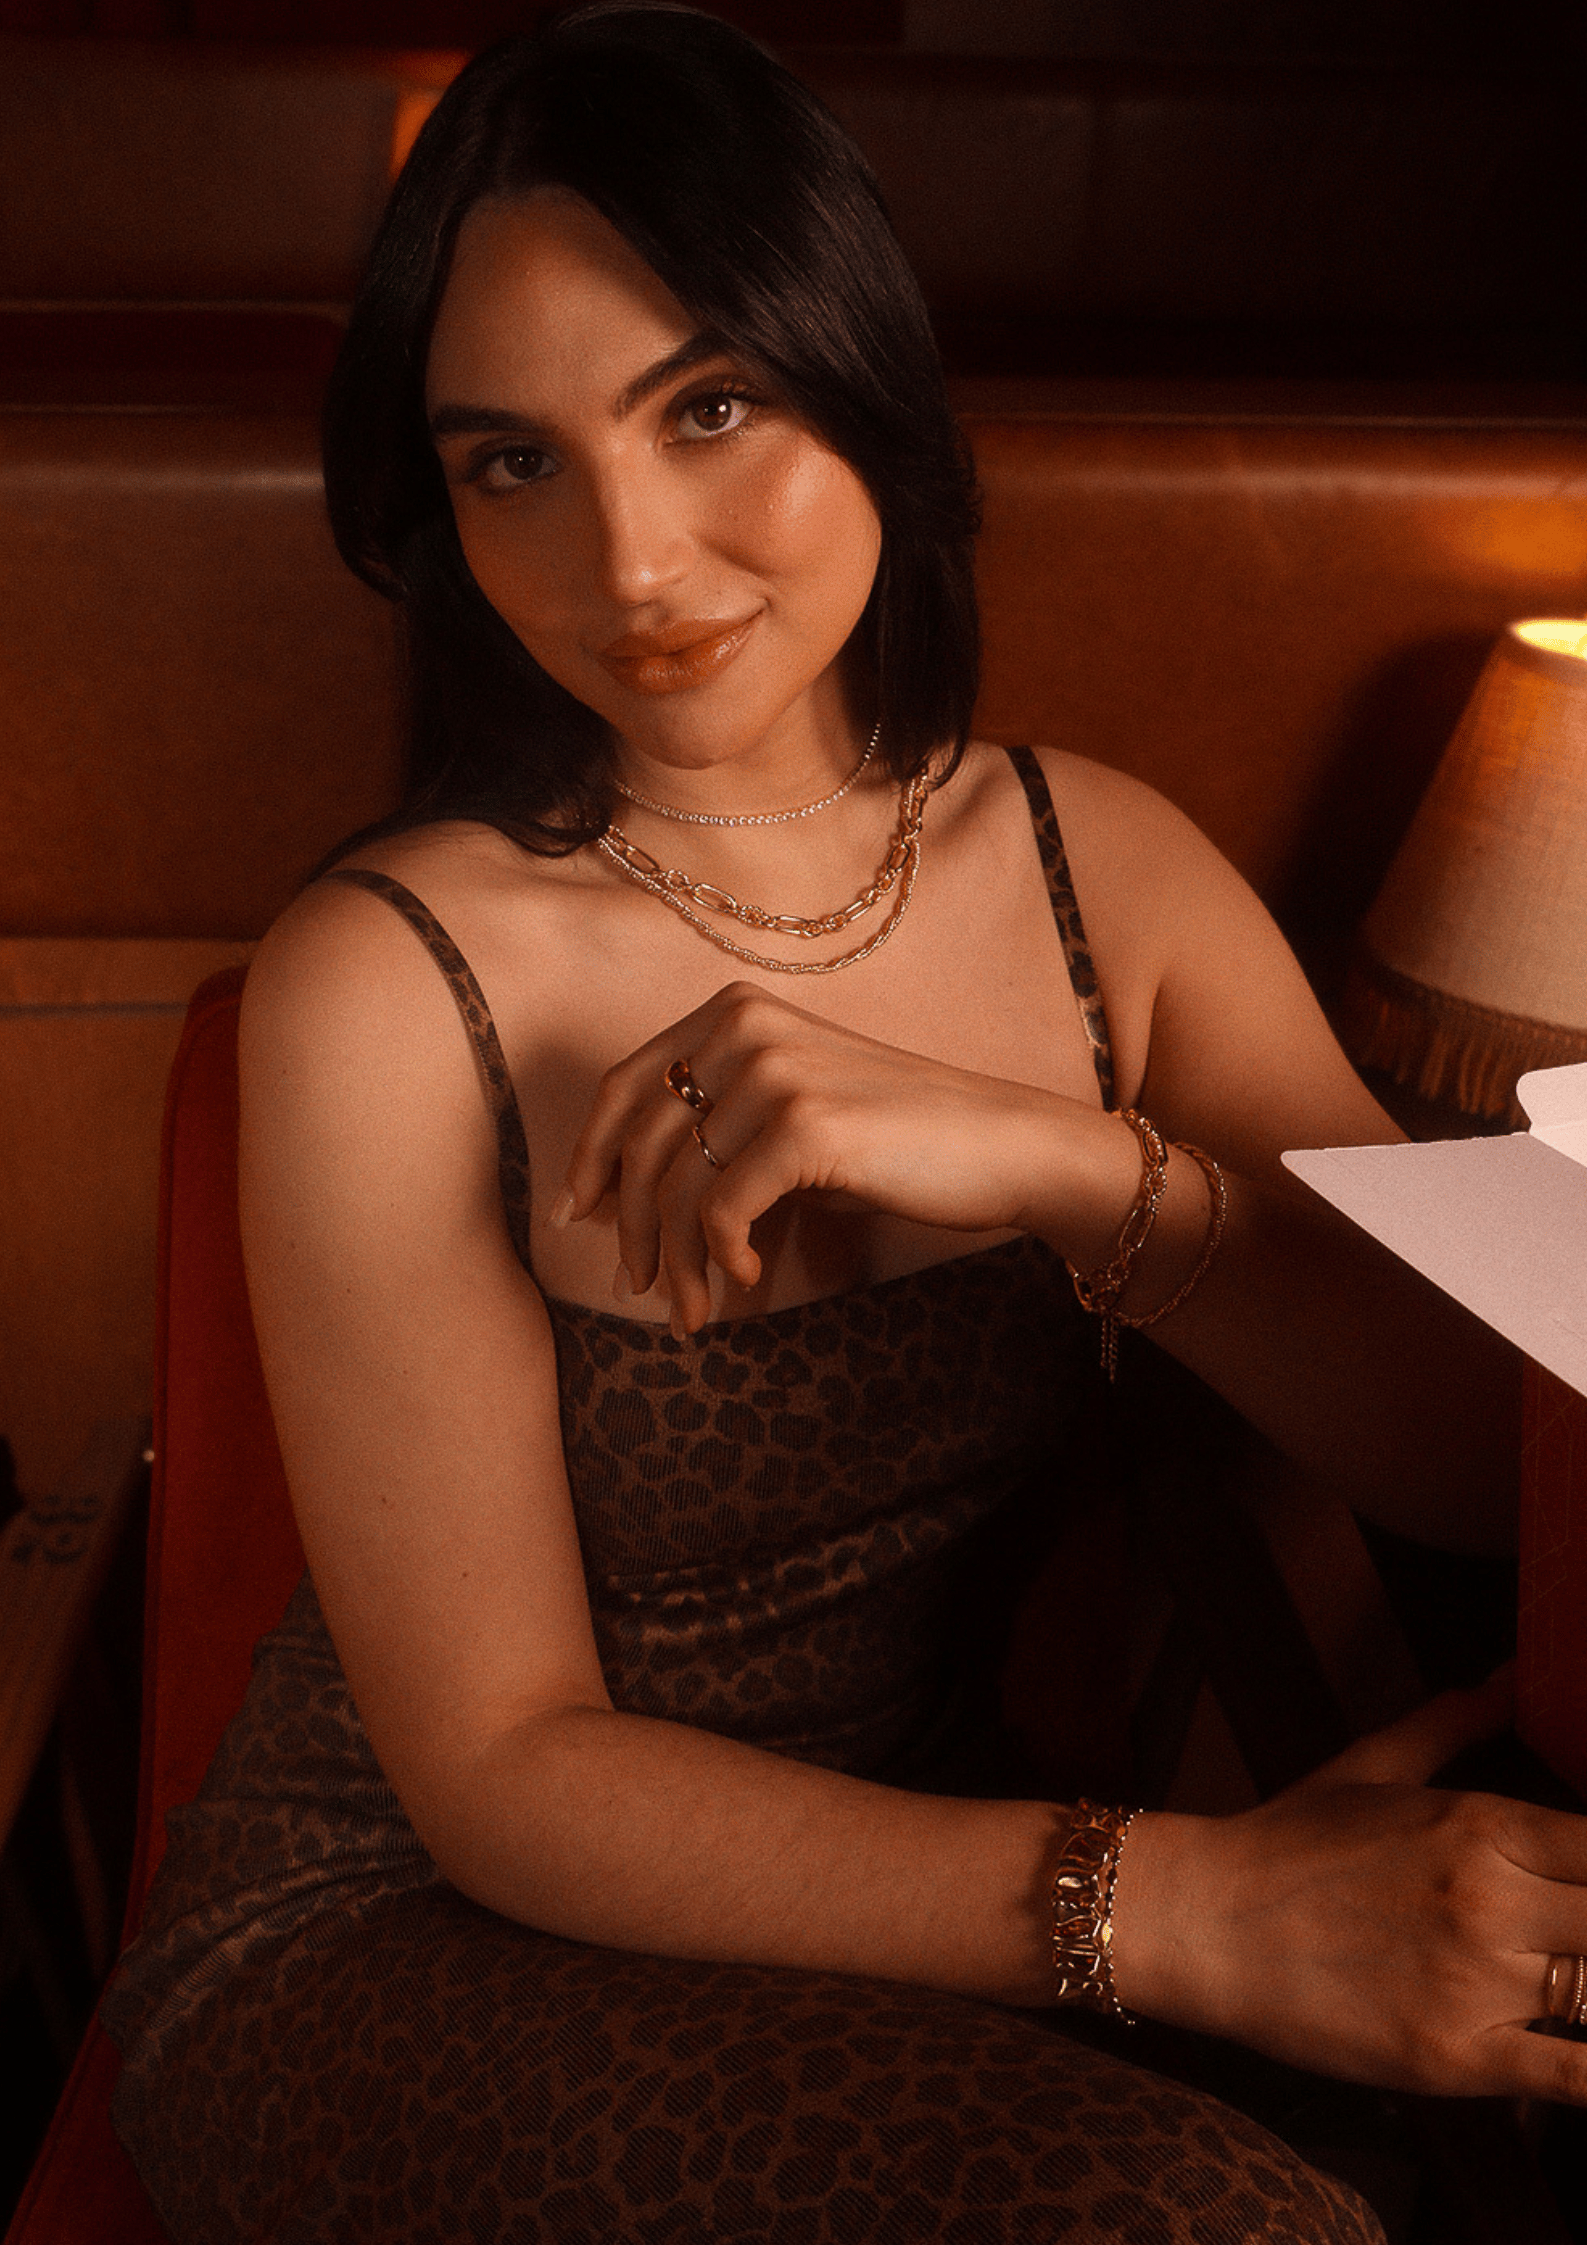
(1364, 1925)
(797, 1104)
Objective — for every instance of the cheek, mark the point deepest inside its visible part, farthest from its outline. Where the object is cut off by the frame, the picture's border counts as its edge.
(519, 580)
(819, 524)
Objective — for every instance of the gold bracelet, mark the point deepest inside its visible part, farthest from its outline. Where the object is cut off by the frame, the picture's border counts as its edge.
(1082, 1907)
(1217, 1213)
(1098, 1291)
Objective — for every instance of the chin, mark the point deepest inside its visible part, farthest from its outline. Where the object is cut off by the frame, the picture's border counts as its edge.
(695, 727)
(692, 739)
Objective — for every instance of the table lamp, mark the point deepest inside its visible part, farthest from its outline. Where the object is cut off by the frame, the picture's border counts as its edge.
(1472, 965)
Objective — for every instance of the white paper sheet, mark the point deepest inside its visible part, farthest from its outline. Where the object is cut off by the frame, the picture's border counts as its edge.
(1555, 1100)
(1499, 1223)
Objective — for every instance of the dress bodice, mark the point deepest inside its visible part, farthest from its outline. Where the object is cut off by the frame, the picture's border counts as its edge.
(776, 1517)
(774, 1514)
(802, 1529)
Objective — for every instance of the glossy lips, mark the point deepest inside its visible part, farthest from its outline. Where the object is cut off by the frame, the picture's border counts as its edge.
(686, 654)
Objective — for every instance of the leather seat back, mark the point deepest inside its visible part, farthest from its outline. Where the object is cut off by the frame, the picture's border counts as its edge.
(183, 169)
(1274, 621)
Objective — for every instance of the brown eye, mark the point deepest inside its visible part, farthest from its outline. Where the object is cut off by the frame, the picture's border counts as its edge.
(510, 469)
(714, 416)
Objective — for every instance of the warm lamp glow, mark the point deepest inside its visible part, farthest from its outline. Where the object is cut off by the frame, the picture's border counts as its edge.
(1558, 635)
(1473, 965)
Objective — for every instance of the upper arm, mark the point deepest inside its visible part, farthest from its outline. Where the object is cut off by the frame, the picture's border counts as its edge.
(408, 1355)
(1218, 1035)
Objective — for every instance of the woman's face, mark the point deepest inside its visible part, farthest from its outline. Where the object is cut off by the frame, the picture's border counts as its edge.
(665, 537)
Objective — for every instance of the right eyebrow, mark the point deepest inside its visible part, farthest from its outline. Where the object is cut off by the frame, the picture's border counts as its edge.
(480, 420)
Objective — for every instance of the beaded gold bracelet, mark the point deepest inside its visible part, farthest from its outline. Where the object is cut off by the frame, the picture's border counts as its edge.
(1082, 1907)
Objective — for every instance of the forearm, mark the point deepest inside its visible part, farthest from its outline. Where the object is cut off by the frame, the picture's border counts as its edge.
(1357, 1368)
(1337, 1351)
(1313, 1928)
(645, 1835)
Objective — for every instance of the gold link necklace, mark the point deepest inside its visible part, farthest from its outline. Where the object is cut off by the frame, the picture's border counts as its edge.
(897, 870)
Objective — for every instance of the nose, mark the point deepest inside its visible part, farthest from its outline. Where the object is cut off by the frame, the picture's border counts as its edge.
(643, 541)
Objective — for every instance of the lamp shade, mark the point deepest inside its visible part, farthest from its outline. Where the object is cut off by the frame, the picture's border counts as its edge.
(1472, 966)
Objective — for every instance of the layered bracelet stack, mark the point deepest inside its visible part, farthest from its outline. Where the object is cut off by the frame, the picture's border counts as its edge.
(1088, 1865)
(1099, 1291)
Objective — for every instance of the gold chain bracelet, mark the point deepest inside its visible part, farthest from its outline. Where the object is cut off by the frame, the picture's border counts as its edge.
(1217, 1216)
(1098, 1291)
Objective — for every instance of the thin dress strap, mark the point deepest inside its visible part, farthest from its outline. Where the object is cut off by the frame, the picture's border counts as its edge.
(512, 1146)
(1066, 916)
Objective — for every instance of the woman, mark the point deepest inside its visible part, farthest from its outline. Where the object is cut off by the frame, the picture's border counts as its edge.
(619, 1856)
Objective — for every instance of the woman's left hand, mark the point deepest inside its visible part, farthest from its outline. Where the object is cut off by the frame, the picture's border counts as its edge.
(1366, 1925)
(799, 1105)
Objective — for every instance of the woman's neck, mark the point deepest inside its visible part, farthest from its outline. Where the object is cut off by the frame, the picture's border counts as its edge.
(804, 757)
(673, 804)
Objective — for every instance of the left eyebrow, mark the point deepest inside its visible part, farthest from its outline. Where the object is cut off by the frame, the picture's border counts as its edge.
(705, 345)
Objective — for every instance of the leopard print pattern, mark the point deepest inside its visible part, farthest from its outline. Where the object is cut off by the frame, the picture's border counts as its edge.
(429, 2074)
(324, 2041)
(512, 1147)
(1066, 915)
(775, 1517)
(778, 1526)
(294, 1822)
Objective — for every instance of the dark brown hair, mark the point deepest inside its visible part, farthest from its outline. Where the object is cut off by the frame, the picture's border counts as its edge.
(751, 204)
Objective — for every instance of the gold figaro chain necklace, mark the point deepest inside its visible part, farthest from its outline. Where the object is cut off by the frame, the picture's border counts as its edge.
(674, 887)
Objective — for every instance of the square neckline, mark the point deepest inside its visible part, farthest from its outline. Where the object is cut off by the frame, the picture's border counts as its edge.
(1024, 1242)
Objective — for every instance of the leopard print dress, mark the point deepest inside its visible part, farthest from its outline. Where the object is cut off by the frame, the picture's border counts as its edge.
(789, 1525)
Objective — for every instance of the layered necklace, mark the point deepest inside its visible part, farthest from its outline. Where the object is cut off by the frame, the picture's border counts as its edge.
(675, 888)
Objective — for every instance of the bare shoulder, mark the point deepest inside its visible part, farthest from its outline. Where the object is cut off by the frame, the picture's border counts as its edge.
(406, 1349)
(1140, 870)
(1123, 827)
(355, 1059)
(1215, 1025)
(1149, 881)
(342, 968)
(1118, 826)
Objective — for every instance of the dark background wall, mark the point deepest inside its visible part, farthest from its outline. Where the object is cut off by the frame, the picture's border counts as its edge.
(1377, 189)
(430, 23)
(1431, 33)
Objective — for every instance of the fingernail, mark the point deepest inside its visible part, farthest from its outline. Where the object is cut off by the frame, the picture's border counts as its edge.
(622, 1284)
(561, 1210)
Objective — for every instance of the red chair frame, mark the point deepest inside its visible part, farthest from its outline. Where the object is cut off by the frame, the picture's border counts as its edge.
(223, 1558)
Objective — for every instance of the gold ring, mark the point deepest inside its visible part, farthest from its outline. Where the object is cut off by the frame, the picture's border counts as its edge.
(699, 1139)
(1565, 1990)
(679, 1080)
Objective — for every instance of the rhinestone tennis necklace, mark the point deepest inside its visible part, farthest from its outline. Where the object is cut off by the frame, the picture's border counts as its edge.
(751, 818)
